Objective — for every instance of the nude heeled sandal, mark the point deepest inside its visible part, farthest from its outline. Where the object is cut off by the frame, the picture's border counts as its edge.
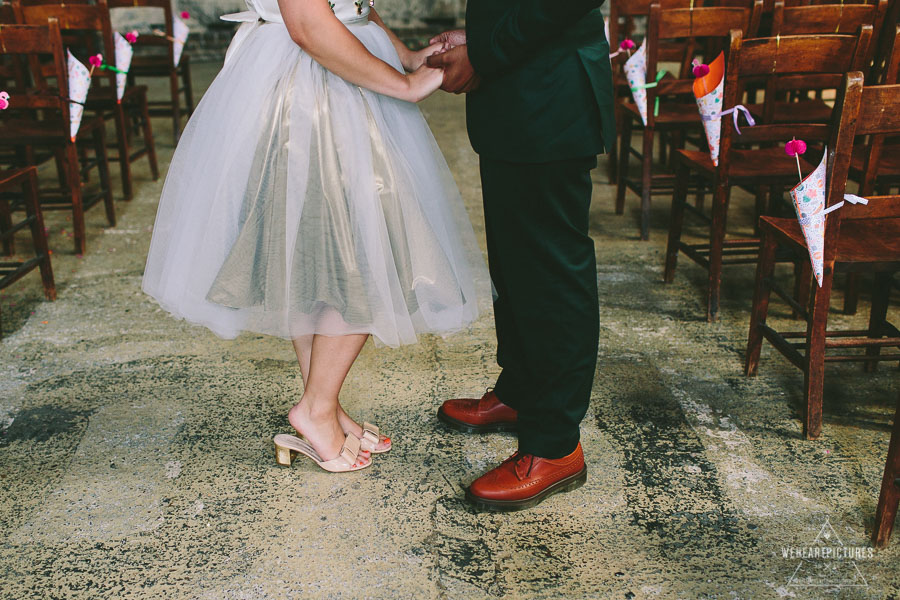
(371, 438)
(288, 446)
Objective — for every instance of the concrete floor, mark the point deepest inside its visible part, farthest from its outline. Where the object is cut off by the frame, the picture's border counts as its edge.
(136, 458)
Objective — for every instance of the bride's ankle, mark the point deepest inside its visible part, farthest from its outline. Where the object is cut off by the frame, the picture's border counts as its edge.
(308, 412)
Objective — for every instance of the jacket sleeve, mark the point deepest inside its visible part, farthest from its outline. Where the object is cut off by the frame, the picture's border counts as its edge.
(496, 46)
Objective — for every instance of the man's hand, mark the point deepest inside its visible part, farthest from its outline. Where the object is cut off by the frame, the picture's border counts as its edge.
(450, 39)
(459, 75)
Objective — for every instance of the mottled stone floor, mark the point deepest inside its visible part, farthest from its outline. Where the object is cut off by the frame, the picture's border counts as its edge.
(136, 459)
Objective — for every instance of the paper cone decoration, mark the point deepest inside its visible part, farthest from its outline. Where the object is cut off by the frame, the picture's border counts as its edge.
(124, 53)
(180, 32)
(79, 83)
(636, 73)
(709, 90)
(809, 202)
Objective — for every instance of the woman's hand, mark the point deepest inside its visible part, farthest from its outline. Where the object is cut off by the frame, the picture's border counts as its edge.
(413, 59)
(423, 82)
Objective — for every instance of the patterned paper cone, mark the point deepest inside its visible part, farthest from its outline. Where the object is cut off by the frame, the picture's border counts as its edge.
(709, 90)
(180, 32)
(809, 202)
(636, 73)
(124, 53)
(79, 83)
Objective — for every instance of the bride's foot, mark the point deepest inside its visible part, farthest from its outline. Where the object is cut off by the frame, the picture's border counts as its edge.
(321, 430)
(348, 425)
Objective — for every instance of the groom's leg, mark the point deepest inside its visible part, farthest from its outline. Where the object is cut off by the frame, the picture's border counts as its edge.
(548, 322)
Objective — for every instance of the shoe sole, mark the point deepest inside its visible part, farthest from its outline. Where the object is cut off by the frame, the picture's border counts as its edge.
(503, 426)
(568, 484)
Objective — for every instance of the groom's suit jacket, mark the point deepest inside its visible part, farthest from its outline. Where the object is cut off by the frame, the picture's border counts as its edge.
(546, 91)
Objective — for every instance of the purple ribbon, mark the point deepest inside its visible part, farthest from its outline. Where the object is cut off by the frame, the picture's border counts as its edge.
(737, 110)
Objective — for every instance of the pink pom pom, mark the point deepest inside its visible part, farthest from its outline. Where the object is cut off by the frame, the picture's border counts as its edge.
(626, 45)
(701, 70)
(795, 147)
(4, 100)
(131, 36)
(185, 14)
(96, 60)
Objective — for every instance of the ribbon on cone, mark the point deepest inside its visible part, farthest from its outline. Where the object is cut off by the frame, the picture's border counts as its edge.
(79, 79)
(124, 54)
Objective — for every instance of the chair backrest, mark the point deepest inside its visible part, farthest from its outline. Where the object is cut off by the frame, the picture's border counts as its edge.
(876, 119)
(697, 29)
(830, 18)
(44, 43)
(168, 22)
(884, 43)
(622, 14)
(80, 24)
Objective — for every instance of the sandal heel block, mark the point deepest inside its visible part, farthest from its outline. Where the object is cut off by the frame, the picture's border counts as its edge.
(283, 456)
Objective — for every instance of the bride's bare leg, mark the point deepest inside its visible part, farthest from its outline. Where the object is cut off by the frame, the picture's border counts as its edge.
(316, 415)
(303, 348)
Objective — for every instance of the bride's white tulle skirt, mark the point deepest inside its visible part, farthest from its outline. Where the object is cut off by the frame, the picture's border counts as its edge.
(298, 203)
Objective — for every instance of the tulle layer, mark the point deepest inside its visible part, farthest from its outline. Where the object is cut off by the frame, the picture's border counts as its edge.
(299, 203)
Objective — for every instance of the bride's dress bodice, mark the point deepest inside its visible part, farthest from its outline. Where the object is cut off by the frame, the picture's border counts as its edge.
(348, 11)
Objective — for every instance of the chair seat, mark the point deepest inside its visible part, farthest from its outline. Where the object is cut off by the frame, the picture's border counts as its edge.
(875, 242)
(155, 64)
(48, 132)
(888, 165)
(805, 111)
(100, 97)
(765, 165)
(670, 114)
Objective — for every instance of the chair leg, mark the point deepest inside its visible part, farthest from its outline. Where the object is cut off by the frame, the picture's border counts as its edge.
(124, 151)
(176, 106)
(716, 246)
(881, 293)
(765, 269)
(646, 181)
(188, 89)
(6, 224)
(889, 498)
(676, 222)
(103, 168)
(802, 281)
(38, 235)
(851, 293)
(149, 142)
(73, 183)
(814, 373)
(624, 156)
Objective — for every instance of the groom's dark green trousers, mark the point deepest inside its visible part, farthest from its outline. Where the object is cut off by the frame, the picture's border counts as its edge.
(541, 116)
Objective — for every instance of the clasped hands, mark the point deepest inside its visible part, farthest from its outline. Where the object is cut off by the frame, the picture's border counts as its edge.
(452, 56)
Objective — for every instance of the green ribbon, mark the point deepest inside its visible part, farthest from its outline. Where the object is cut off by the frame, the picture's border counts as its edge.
(659, 76)
(106, 67)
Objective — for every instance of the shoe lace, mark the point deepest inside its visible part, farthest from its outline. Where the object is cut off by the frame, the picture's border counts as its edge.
(523, 465)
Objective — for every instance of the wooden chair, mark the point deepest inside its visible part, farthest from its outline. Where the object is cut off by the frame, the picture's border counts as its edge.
(889, 498)
(82, 23)
(755, 159)
(623, 15)
(20, 131)
(162, 65)
(12, 271)
(858, 238)
(678, 111)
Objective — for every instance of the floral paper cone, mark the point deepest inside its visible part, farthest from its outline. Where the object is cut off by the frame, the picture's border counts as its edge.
(809, 202)
(709, 90)
(636, 73)
(180, 32)
(124, 53)
(79, 83)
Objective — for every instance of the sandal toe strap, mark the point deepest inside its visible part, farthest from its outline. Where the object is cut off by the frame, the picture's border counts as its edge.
(350, 450)
(370, 434)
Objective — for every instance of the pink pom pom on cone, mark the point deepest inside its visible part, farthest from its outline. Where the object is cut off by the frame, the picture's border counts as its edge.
(795, 148)
(700, 70)
(185, 14)
(4, 100)
(626, 45)
(96, 60)
(131, 36)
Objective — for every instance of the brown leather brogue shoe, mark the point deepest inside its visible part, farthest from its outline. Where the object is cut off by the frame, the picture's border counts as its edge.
(523, 480)
(482, 415)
